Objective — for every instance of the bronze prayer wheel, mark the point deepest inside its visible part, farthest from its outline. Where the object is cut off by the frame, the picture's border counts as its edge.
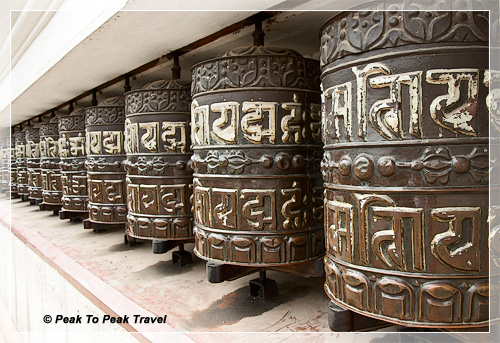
(4, 164)
(256, 137)
(405, 169)
(49, 162)
(33, 163)
(13, 166)
(22, 169)
(104, 125)
(72, 162)
(159, 175)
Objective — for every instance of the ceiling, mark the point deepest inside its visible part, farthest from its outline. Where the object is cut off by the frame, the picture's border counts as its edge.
(131, 38)
(145, 30)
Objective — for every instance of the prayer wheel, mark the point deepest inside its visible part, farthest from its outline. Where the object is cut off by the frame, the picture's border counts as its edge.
(49, 162)
(256, 137)
(13, 167)
(4, 164)
(22, 169)
(72, 162)
(33, 164)
(405, 168)
(159, 174)
(104, 126)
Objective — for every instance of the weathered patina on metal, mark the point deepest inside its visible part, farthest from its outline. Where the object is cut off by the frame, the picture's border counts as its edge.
(405, 168)
(33, 163)
(104, 126)
(22, 169)
(72, 163)
(49, 162)
(159, 175)
(256, 137)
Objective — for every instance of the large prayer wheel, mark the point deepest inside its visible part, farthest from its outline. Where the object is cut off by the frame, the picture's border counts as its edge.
(49, 162)
(255, 120)
(159, 176)
(104, 125)
(33, 163)
(22, 169)
(405, 126)
(72, 162)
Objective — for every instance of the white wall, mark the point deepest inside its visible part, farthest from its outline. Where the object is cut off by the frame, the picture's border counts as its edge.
(30, 289)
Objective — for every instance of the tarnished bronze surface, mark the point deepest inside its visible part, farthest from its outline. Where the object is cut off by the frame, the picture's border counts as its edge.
(255, 120)
(72, 162)
(405, 127)
(104, 126)
(49, 162)
(159, 174)
(13, 166)
(22, 169)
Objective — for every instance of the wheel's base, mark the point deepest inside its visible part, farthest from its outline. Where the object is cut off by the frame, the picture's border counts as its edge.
(72, 215)
(48, 207)
(98, 227)
(182, 258)
(341, 319)
(263, 288)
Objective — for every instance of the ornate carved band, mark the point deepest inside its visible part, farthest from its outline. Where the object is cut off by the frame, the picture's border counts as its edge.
(159, 96)
(109, 111)
(253, 67)
(357, 32)
(74, 122)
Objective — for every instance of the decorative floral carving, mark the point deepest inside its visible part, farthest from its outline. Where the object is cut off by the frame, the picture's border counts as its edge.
(435, 164)
(100, 164)
(159, 96)
(74, 122)
(157, 166)
(356, 32)
(32, 134)
(72, 164)
(234, 161)
(104, 115)
(49, 129)
(256, 67)
(231, 162)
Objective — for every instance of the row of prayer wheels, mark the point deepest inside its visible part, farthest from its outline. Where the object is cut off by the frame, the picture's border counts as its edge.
(374, 158)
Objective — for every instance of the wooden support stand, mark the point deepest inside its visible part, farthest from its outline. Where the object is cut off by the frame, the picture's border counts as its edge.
(34, 201)
(48, 207)
(263, 287)
(180, 257)
(341, 319)
(132, 241)
(24, 197)
(312, 268)
(218, 272)
(72, 215)
(88, 224)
